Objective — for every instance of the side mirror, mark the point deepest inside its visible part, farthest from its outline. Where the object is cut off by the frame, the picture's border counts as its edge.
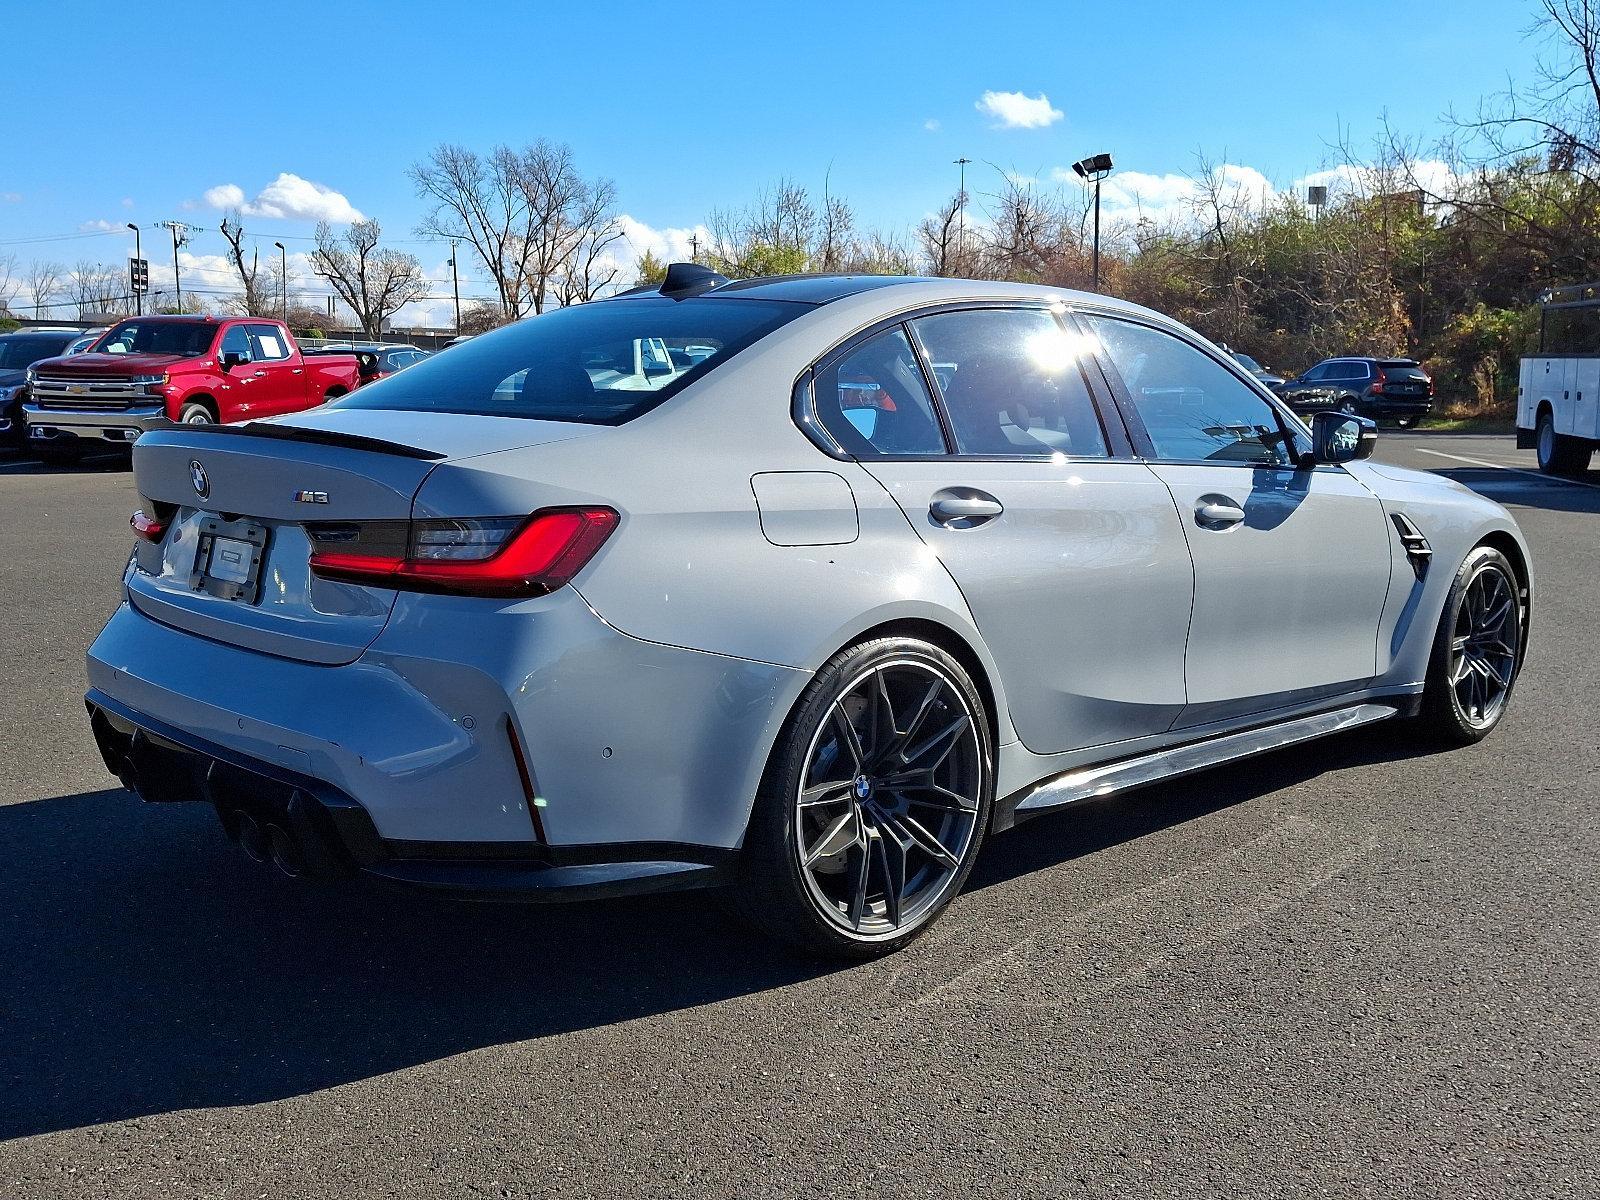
(1340, 438)
(231, 360)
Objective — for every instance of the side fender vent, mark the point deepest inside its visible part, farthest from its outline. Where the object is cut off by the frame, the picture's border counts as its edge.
(1415, 543)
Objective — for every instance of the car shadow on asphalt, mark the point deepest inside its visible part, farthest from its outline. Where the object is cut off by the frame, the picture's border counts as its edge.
(149, 968)
(1524, 490)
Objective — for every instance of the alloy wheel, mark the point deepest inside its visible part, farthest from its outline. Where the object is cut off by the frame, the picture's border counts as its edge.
(888, 803)
(1483, 648)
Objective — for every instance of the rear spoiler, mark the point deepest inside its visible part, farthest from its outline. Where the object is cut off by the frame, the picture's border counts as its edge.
(321, 437)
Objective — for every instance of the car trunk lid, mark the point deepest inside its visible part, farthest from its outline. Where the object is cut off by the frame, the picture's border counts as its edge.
(233, 563)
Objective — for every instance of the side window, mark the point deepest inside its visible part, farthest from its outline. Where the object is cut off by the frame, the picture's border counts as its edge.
(269, 343)
(1316, 374)
(236, 341)
(874, 402)
(1193, 407)
(1011, 383)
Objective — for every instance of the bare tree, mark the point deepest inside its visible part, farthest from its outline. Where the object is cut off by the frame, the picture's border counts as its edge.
(374, 282)
(96, 288)
(256, 299)
(480, 201)
(10, 284)
(43, 281)
(939, 236)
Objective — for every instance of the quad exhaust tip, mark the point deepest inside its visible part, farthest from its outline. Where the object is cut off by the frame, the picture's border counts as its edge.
(252, 838)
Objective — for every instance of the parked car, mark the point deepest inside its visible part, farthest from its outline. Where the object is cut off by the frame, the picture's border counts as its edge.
(1270, 378)
(396, 358)
(1378, 388)
(19, 351)
(803, 620)
(148, 372)
(1558, 397)
(88, 338)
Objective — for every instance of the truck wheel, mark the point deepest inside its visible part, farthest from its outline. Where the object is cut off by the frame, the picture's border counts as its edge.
(196, 414)
(1560, 455)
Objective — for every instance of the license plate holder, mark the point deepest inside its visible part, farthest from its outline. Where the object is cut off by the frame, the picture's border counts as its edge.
(228, 559)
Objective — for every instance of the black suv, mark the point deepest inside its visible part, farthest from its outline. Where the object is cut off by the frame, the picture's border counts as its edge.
(18, 352)
(1396, 388)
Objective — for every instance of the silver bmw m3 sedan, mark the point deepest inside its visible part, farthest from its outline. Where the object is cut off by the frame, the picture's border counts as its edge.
(797, 587)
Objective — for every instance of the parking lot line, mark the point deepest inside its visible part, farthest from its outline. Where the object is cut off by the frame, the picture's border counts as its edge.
(1539, 475)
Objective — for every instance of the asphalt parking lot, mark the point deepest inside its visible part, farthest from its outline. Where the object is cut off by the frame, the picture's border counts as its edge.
(1346, 969)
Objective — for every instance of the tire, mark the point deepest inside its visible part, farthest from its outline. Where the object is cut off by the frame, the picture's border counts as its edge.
(196, 413)
(837, 859)
(1406, 422)
(1463, 704)
(1559, 455)
(1348, 407)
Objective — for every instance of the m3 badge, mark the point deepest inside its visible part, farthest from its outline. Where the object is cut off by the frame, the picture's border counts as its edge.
(311, 497)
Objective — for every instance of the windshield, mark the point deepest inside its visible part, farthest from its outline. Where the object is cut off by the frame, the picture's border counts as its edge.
(18, 352)
(602, 363)
(187, 338)
(1245, 361)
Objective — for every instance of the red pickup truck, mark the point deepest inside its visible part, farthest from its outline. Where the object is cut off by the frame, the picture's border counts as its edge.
(148, 372)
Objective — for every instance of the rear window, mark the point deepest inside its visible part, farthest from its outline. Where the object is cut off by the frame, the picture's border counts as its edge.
(602, 363)
(18, 351)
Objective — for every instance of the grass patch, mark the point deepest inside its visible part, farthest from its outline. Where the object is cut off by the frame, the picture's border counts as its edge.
(1489, 423)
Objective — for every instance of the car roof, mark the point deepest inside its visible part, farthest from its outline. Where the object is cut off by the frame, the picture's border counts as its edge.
(892, 291)
(810, 289)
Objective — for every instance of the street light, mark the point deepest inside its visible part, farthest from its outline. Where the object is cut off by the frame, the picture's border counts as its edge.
(961, 235)
(138, 256)
(1094, 169)
(283, 278)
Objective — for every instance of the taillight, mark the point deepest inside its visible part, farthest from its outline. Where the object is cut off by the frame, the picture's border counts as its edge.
(1430, 388)
(1377, 386)
(148, 527)
(483, 556)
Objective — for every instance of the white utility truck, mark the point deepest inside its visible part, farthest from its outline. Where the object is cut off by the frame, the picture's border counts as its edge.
(1558, 400)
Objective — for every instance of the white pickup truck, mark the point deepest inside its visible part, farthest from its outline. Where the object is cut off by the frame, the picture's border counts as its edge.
(1558, 397)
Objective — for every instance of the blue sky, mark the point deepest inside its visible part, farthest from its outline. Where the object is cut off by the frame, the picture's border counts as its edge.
(689, 107)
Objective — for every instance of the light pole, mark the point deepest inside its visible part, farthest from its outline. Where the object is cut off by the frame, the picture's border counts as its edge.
(1094, 169)
(961, 209)
(138, 256)
(455, 287)
(283, 278)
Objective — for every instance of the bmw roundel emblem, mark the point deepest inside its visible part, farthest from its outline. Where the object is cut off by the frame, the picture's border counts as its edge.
(198, 476)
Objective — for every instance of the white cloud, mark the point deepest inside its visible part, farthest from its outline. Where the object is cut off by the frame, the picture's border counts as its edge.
(931, 125)
(668, 245)
(226, 195)
(1013, 110)
(127, 202)
(287, 198)
(98, 226)
(11, 197)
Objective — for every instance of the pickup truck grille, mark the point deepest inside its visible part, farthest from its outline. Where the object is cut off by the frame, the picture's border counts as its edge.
(84, 392)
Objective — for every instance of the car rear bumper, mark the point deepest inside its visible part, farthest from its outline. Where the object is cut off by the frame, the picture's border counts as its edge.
(1394, 407)
(116, 427)
(527, 726)
(308, 827)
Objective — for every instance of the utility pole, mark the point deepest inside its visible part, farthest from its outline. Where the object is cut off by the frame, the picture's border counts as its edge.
(180, 237)
(694, 247)
(961, 213)
(283, 278)
(138, 257)
(455, 286)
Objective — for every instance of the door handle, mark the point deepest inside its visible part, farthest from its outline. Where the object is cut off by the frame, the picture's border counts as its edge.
(1218, 514)
(966, 505)
(261, 374)
(298, 371)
